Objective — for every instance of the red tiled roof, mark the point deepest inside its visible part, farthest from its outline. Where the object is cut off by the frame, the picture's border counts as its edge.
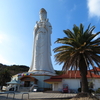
(96, 69)
(70, 75)
(53, 80)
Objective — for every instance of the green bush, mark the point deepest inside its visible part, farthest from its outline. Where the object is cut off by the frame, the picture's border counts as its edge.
(98, 90)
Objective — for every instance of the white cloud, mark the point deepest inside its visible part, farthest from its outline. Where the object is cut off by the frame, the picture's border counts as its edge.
(93, 8)
(4, 61)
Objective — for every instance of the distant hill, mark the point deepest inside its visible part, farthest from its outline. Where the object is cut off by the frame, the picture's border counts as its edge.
(14, 69)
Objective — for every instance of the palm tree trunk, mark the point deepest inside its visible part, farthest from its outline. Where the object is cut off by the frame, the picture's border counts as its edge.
(83, 73)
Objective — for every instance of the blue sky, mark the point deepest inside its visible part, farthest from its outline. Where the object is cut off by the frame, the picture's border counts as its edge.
(18, 17)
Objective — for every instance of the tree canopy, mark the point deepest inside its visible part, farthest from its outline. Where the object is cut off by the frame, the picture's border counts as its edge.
(80, 49)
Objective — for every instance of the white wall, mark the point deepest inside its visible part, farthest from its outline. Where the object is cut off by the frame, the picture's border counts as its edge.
(72, 83)
(60, 86)
(41, 83)
(57, 86)
(96, 84)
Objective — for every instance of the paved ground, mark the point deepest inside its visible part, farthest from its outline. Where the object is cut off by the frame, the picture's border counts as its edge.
(35, 96)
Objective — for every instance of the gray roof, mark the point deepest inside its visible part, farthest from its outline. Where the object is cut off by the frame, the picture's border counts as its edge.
(13, 82)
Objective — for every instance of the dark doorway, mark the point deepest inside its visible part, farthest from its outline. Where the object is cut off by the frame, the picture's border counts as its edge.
(27, 84)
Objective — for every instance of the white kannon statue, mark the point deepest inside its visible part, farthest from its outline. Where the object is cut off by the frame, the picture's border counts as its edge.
(41, 61)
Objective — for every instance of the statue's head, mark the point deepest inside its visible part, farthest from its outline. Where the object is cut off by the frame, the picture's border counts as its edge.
(43, 14)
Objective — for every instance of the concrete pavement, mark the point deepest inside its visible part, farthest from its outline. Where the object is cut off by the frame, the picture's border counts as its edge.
(35, 96)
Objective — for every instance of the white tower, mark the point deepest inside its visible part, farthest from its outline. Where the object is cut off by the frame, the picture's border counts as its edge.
(41, 61)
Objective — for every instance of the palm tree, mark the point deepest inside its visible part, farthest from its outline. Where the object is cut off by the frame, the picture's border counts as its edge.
(80, 50)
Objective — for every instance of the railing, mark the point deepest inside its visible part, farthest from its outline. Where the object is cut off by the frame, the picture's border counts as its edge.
(14, 93)
(11, 93)
(24, 94)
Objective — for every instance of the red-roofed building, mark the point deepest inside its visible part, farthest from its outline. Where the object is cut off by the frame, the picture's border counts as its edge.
(96, 69)
(73, 81)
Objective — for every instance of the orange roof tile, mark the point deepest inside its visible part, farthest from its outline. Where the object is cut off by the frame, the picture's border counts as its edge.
(53, 80)
(96, 69)
(70, 75)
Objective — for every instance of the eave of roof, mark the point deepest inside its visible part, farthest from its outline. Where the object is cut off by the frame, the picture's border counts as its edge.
(50, 81)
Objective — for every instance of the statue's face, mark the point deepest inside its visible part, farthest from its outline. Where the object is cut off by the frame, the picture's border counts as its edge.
(43, 16)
